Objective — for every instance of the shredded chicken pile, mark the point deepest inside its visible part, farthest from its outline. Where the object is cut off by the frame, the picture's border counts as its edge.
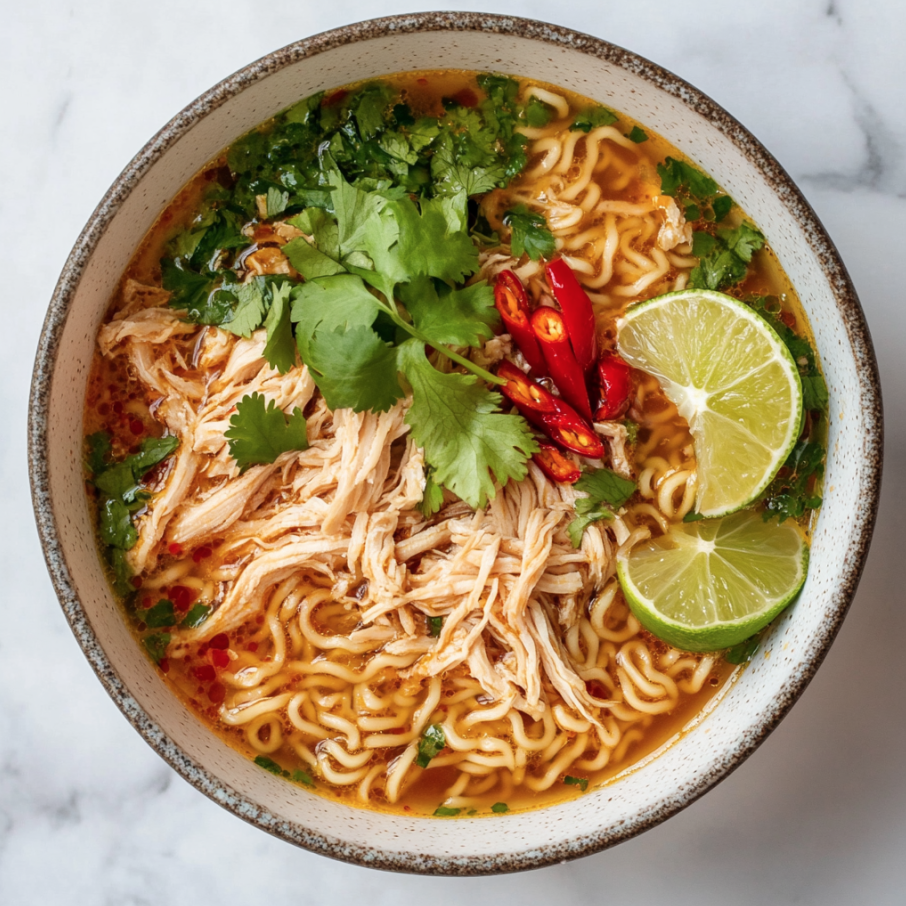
(503, 578)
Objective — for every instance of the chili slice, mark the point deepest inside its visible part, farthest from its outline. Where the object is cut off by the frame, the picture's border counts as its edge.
(555, 465)
(577, 312)
(512, 302)
(553, 337)
(614, 379)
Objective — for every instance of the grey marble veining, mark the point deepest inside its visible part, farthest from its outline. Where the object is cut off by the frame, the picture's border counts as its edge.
(89, 815)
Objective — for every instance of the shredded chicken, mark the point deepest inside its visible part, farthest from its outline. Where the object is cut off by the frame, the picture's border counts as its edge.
(674, 231)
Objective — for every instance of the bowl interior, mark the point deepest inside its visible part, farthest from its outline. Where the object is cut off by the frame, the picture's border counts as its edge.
(749, 709)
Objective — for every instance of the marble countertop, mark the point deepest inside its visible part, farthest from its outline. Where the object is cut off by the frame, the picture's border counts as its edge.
(89, 815)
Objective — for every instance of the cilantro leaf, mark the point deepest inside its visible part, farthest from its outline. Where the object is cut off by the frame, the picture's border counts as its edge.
(433, 498)
(99, 445)
(280, 349)
(500, 808)
(116, 528)
(302, 777)
(354, 369)
(161, 615)
(676, 174)
(269, 765)
(745, 240)
(309, 260)
(259, 432)
(721, 206)
(275, 202)
(581, 782)
(466, 439)
(442, 811)
(576, 529)
(537, 113)
(118, 481)
(606, 492)
(156, 644)
(435, 625)
(791, 493)
(153, 450)
(249, 314)
(637, 135)
(724, 258)
(459, 317)
(814, 392)
(453, 173)
(592, 118)
(197, 614)
(530, 233)
(432, 741)
(744, 651)
(189, 289)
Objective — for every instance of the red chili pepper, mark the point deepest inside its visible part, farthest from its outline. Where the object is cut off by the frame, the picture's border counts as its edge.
(614, 377)
(577, 312)
(555, 465)
(513, 304)
(554, 416)
(553, 337)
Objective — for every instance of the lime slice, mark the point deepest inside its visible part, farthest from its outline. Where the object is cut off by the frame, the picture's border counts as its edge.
(711, 584)
(732, 379)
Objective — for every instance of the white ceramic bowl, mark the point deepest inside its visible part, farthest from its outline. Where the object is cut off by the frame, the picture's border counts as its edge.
(797, 643)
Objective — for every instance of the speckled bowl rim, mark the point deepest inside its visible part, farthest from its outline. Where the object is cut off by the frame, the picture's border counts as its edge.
(55, 321)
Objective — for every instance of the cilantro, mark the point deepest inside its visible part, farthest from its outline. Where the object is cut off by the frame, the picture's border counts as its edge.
(280, 349)
(157, 643)
(529, 233)
(259, 432)
(677, 174)
(98, 452)
(742, 652)
(745, 240)
(693, 517)
(435, 625)
(465, 437)
(791, 493)
(269, 765)
(606, 491)
(472, 811)
(459, 317)
(122, 572)
(723, 258)
(302, 777)
(433, 498)
(721, 206)
(276, 202)
(580, 782)
(443, 812)
(453, 172)
(537, 113)
(632, 430)
(116, 528)
(500, 808)
(197, 614)
(189, 289)
(153, 451)
(593, 118)
(637, 135)
(814, 392)
(432, 741)
(161, 615)
(249, 313)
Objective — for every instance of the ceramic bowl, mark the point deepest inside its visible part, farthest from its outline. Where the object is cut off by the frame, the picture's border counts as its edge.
(797, 643)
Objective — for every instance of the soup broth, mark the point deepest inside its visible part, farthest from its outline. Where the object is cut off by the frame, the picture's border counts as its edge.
(321, 674)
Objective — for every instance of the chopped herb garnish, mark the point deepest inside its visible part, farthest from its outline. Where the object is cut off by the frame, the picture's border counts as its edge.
(435, 625)
(530, 233)
(632, 430)
(259, 432)
(157, 643)
(270, 765)
(580, 782)
(499, 808)
(303, 777)
(724, 258)
(743, 652)
(693, 517)
(592, 118)
(472, 811)
(792, 492)
(197, 614)
(606, 492)
(161, 615)
(637, 135)
(432, 741)
(537, 113)
(443, 812)
(433, 498)
(696, 192)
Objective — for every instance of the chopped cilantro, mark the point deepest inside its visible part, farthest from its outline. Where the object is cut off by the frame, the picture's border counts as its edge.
(116, 526)
(693, 517)
(592, 118)
(98, 452)
(276, 202)
(580, 782)
(250, 312)
(637, 135)
(433, 498)
(743, 652)
(499, 808)
(269, 765)
(435, 625)
(303, 777)
(723, 258)
(792, 492)
(606, 492)
(157, 643)
(529, 233)
(161, 615)
(721, 206)
(280, 349)
(677, 174)
(197, 614)
(537, 113)
(432, 741)
(632, 430)
(443, 812)
(259, 432)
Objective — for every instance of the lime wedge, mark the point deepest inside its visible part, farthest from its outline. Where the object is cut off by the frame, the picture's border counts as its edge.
(732, 379)
(711, 584)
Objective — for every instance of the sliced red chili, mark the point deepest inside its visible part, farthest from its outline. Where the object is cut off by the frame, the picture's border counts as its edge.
(615, 381)
(567, 428)
(577, 312)
(530, 398)
(555, 465)
(512, 302)
(564, 368)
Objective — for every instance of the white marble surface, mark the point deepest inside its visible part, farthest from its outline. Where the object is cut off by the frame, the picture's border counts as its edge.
(90, 815)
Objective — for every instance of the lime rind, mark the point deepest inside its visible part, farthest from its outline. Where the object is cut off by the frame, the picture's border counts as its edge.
(706, 586)
(731, 377)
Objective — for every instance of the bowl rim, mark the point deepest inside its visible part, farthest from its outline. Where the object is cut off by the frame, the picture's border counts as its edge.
(57, 316)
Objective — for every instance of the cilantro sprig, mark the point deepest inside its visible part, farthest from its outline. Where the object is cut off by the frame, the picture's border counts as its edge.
(259, 432)
(605, 493)
(429, 746)
(724, 258)
(529, 233)
(696, 192)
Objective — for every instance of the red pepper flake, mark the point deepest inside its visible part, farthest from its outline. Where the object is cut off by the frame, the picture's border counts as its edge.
(136, 427)
(118, 407)
(219, 658)
(466, 98)
(336, 98)
(175, 548)
(252, 646)
(422, 81)
(407, 808)
(182, 597)
(260, 619)
(596, 688)
(203, 649)
(165, 665)
(221, 641)
(204, 674)
(147, 601)
(142, 626)
(217, 693)
(136, 581)
(201, 554)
